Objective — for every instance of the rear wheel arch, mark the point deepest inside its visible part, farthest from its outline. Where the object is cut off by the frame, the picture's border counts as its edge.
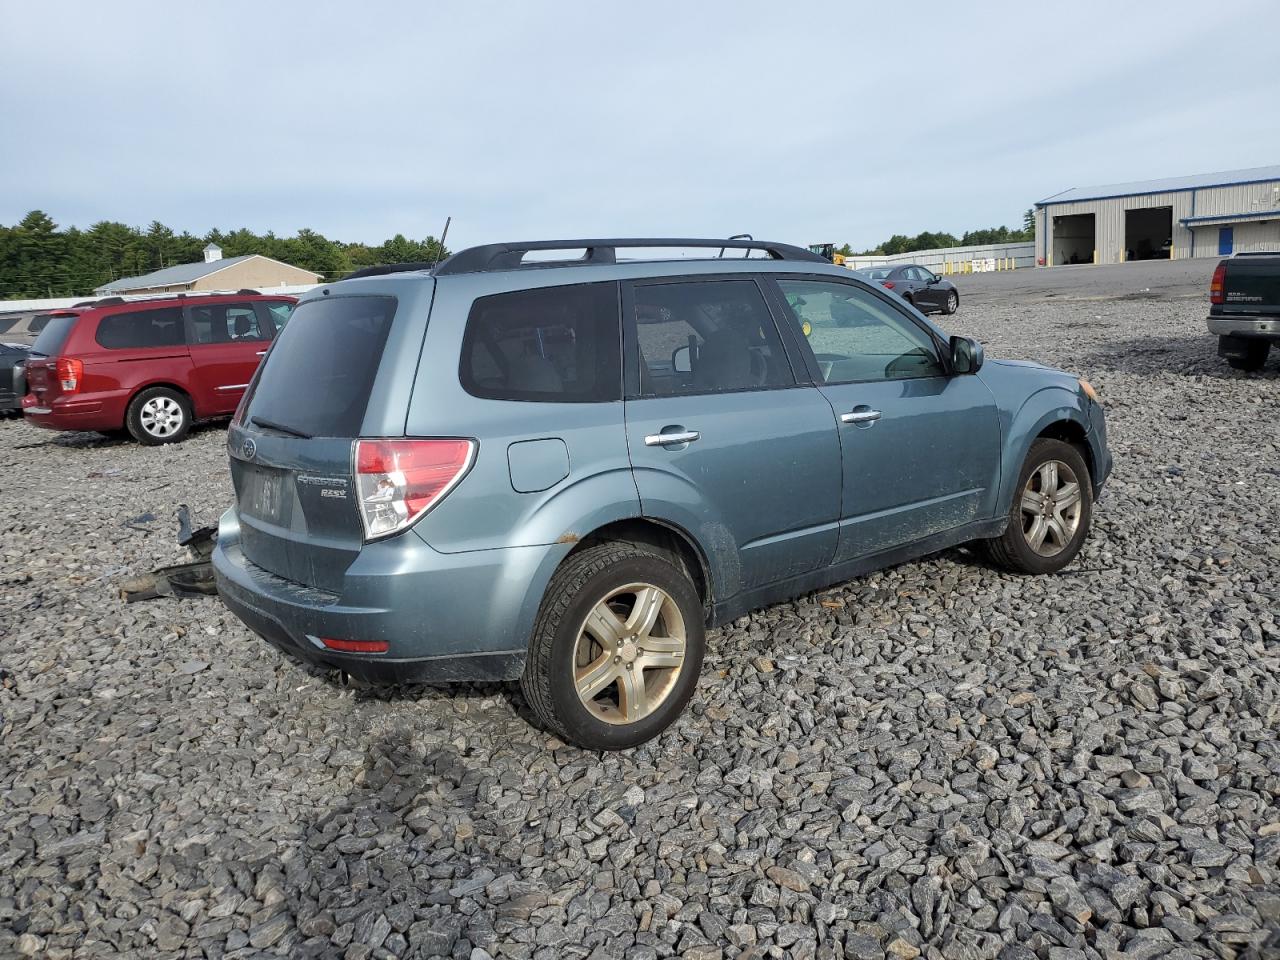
(167, 385)
(665, 538)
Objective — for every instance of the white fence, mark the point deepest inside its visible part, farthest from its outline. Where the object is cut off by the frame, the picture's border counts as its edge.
(978, 259)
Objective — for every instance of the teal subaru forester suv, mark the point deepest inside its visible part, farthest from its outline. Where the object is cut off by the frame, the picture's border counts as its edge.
(559, 463)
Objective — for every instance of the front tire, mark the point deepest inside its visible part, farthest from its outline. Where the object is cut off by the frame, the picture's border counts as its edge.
(159, 415)
(952, 304)
(616, 649)
(1051, 511)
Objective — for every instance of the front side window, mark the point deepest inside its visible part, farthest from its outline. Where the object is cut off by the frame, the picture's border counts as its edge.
(280, 314)
(554, 344)
(225, 323)
(924, 276)
(707, 337)
(160, 327)
(856, 336)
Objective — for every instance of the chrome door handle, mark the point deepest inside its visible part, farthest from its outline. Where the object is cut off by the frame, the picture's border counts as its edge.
(667, 439)
(860, 416)
(262, 353)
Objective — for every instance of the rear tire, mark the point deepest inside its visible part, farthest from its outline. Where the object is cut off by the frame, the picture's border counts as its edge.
(1048, 520)
(616, 648)
(159, 415)
(1255, 356)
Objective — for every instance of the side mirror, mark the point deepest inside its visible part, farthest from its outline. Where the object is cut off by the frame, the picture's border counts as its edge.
(933, 280)
(681, 360)
(966, 355)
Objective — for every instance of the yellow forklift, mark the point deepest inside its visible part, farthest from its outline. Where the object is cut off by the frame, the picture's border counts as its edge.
(828, 252)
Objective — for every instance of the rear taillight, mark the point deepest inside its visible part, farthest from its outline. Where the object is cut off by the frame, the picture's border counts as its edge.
(887, 284)
(1216, 284)
(397, 481)
(70, 374)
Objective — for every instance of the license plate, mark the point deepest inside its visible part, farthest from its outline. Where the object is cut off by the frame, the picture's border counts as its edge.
(264, 496)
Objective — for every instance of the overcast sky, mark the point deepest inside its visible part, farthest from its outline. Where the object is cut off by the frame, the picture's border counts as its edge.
(796, 122)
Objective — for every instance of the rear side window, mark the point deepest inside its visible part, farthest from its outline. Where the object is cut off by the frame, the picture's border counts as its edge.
(707, 337)
(54, 335)
(317, 378)
(7, 325)
(38, 323)
(161, 327)
(555, 344)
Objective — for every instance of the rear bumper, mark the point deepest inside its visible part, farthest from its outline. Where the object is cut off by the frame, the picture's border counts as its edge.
(445, 617)
(1268, 327)
(73, 414)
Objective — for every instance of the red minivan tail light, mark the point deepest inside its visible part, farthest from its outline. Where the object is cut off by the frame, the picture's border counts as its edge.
(397, 481)
(1217, 283)
(70, 374)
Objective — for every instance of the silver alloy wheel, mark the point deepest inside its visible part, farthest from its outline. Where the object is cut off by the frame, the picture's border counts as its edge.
(953, 302)
(629, 653)
(161, 417)
(1051, 508)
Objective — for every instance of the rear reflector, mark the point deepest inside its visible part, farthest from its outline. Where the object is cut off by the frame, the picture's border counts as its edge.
(1217, 283)
(355, 646)
(397, 481)
(70, 373)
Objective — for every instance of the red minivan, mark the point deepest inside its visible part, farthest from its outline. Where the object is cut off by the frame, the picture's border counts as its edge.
(152, 367)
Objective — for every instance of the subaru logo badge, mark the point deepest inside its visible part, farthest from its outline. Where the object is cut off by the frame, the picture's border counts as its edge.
(250, 449)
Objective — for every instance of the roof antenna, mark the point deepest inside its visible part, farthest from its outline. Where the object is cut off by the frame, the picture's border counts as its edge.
(440, 246)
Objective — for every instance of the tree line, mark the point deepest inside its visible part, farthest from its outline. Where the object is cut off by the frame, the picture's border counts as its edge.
(937, 241)
(39, 259)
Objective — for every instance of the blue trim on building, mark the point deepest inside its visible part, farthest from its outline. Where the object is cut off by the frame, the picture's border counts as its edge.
(1210, 218)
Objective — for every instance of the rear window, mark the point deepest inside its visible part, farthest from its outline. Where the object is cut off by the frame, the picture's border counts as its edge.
(54, 335)
(556, 344)
(161, 327)
(317, 378)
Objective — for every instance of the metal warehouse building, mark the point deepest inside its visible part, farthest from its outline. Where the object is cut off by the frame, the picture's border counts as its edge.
(1209, 215)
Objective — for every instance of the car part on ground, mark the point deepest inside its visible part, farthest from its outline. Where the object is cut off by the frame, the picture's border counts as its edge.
(193, 579)
(454, 473)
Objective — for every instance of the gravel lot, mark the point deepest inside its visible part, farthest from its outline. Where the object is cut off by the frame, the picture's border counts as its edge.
(937, 759)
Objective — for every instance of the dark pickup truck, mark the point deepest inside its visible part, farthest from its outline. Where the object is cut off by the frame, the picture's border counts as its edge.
(1244, 308)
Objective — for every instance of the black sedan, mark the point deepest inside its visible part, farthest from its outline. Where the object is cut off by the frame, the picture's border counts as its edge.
(923, 289)
(12, 381)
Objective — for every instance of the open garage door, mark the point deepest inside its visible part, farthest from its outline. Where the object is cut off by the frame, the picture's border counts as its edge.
(1148, 233)
(1074, 238)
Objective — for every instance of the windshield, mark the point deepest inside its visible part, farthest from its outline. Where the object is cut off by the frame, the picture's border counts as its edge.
(316, 380)
(54, 335)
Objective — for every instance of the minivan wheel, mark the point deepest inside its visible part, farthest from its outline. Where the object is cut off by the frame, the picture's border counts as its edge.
(1052, 507)
(159, 415)
(616, 649)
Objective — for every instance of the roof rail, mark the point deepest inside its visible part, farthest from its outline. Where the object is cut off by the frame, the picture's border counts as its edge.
(109, 301)
(246, 292)
(510, 256)
(385, 268)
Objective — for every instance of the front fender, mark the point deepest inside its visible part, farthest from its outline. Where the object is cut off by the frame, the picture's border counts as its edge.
(1050, 404)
